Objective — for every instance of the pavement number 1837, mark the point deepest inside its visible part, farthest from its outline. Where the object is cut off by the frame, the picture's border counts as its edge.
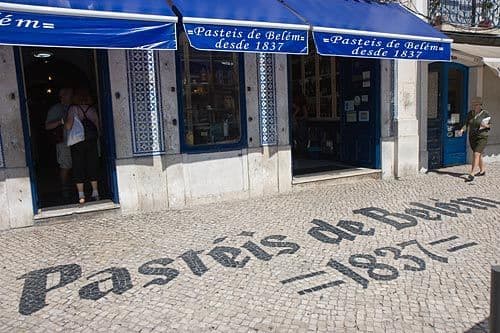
(384, 272)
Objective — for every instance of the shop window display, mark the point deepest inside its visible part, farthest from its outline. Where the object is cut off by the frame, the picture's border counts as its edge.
(211, 96)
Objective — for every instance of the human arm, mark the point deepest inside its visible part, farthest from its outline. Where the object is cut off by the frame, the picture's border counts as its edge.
(68, 124)
(54, 124)
(465, 124)
(486, 125)
(92, 115)
(54, 118)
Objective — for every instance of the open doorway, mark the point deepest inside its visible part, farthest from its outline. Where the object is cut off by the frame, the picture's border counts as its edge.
(447, 111)
(334, 113)
(47, 75)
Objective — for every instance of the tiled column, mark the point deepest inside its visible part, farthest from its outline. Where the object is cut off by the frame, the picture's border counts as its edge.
(146, 118)
(267, 99)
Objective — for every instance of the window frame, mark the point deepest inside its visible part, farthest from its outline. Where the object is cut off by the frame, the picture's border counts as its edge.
(217, 147)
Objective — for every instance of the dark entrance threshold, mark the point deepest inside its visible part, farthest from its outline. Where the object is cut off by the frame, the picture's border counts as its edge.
(307, 166)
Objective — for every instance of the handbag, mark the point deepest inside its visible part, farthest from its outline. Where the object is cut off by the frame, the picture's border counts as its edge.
(77, 132)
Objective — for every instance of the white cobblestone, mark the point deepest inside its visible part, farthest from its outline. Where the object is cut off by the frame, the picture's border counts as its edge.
(443, 297)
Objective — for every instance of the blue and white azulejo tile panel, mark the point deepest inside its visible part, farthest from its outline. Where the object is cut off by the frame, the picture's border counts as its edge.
(146, 117)
(267, 99)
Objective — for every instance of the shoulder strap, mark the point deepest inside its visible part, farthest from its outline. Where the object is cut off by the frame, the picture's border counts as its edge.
(85, 112)
(480, 113)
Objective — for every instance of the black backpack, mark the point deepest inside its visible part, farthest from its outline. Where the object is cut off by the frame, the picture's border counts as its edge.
(89, 127)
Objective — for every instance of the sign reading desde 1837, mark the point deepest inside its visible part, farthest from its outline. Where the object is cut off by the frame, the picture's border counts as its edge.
(381, 47)
(209, 37)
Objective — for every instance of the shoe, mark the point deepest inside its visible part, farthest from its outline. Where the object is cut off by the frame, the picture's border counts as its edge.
(81, 201)
(480, 174)
(96, 198)
(469, 178)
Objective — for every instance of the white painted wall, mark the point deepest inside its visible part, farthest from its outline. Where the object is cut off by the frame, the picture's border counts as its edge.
(386, 136)
(422, 105)
(491, 102)
(15, 188)
(407, 142)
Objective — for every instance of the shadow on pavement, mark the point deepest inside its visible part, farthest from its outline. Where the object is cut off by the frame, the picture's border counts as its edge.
(481, 327)
(448, 173)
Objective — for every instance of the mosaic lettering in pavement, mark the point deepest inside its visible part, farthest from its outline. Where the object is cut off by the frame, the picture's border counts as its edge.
(407, 255)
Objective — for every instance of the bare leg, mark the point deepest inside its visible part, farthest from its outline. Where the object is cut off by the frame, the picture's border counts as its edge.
(481, 163)
(64, 174)
(475, 162)
(95, 189)
(81, 194)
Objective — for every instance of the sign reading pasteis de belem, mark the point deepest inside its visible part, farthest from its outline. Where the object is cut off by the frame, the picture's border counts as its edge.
(360, 268)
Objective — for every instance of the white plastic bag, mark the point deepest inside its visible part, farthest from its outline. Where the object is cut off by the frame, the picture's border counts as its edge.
(77, 133)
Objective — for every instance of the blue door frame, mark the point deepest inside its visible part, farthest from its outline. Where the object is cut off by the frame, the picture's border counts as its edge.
(104, 87)
(445, 147)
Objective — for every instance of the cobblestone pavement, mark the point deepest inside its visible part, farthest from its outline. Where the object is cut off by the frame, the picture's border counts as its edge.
(318, 259)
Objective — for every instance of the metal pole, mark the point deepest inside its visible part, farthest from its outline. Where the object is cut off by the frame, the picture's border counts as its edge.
(495, 300)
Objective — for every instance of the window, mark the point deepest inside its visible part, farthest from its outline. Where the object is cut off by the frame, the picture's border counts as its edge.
(211, 97)
(315, 79)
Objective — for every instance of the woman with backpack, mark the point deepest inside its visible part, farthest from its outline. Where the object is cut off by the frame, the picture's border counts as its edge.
(84, 153)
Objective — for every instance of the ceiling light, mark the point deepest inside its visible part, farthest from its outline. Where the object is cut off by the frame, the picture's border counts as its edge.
(43, 54)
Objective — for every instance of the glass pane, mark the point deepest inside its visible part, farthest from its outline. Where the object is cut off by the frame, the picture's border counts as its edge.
(433, 95)
(325, 87)
(310, 83)
(455, 101)
(211, 96)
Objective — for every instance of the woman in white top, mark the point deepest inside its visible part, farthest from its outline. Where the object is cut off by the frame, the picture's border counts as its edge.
(85, 154)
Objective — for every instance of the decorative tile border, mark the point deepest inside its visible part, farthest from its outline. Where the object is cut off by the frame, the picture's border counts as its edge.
(267, 99)
(146, 118)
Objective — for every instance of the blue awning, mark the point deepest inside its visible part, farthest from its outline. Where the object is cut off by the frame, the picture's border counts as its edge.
(123, 24)
(364, 28)
(243, 26)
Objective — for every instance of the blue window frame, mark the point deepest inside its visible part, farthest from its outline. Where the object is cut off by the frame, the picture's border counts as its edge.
(211, 94)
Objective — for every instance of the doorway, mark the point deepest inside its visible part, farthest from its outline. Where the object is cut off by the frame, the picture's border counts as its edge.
(334, 113)
(45, 73)
(447, 111)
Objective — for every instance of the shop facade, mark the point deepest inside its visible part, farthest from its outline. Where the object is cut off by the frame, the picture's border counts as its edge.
(449, 87)
(190, 126)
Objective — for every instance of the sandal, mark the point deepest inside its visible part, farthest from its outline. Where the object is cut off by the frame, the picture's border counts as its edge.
(469, 178)
(480, 174)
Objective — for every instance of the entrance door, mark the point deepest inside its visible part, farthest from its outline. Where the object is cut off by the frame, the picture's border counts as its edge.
(360, 112)
(44, 73)
(447, 110)
(454, 106)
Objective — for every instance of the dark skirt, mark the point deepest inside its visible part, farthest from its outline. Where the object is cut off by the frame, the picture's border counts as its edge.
(478, 144)
(85, 161)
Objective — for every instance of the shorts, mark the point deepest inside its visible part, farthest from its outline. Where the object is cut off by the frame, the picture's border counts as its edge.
(63, 153)
(478, 144)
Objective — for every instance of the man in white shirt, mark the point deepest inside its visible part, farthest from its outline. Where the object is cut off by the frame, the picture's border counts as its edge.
(55, 123)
